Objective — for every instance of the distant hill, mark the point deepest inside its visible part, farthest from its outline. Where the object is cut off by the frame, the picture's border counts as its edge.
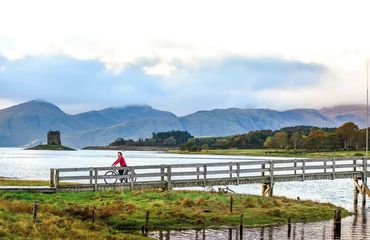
(30, 121)
(346, 113)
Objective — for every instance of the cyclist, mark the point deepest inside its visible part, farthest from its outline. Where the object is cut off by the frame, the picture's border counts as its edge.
(122, 163)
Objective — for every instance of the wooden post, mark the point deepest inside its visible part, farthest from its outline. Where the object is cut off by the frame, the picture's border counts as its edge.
(355, 196)
(231, 170)
(324, 165)
(237, 173)
(231, 203)
(295, 166)
(241, 226)
(271, 178)
(96, 179)
(147, 221)
(204, 174)
(162, 173)
(91, 177)
(93, 216)
(230, 234)
(364, 181)
(271, 171)
(354, 166)
(337, 223)
(132, 175)
(169, 184)
(263, 169)
(198, 169)
(264, 188)
(52, 178)
(303, 169)
(56, 179)
(35, 209)
(333, 167)
(289, 227)
(363, 194)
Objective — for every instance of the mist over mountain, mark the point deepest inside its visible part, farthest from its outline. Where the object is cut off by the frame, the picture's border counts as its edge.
(30, 121)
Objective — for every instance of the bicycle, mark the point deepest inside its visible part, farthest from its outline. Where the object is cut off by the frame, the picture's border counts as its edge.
(127, 173)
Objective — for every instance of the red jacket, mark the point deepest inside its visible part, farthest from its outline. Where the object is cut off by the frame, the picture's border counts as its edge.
(121, 162)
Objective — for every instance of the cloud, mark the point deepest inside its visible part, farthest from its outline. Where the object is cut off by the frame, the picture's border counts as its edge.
(161, 69)
(86, 84)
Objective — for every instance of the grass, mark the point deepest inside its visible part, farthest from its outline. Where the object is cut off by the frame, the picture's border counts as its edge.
(51, 147)
(276, 153)
(120, 215)
(21, 182)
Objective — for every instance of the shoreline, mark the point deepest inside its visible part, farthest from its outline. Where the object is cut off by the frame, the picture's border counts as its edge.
(273, 153)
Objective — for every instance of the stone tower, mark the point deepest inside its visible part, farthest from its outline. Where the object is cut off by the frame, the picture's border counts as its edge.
(54, 138)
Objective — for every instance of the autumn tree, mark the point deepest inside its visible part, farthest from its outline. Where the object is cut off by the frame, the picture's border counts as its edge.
(280, 140)
(347, 133)
(296, 140)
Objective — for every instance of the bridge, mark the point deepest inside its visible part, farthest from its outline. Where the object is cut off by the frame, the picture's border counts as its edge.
(264, 172)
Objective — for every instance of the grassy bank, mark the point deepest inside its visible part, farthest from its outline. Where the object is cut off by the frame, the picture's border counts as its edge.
(275, 153)
(68, 215)
(51, 147)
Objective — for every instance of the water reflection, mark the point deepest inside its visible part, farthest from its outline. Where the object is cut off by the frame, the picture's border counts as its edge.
(353, 228)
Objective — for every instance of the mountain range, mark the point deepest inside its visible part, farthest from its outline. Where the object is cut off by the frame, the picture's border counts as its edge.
(29, 122)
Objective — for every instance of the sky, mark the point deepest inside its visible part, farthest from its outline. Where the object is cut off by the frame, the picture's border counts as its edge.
(184, 56)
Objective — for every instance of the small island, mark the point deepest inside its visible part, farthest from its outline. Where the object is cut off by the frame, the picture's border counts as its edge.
(54, 143)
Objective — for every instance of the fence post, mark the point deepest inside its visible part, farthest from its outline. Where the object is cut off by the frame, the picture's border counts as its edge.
(333, 167)
(325, 165)
(295, 166)
(354, 166)
(337, 223)
(96, 179)
(169, 184)
(35, 209)
(162, 173)
(271, 173)
(231, 170)
(147, 221)
(303, 169)
(132, 175)
(364, 161)
(93, 215)
(204, 174)
(56, 179)
(237, 173)
(198, 169)
(52, 178)
(241, 226)
(91, 177)
(231, 203)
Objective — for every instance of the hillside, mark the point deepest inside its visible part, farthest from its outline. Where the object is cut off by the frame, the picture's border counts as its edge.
(27, 122)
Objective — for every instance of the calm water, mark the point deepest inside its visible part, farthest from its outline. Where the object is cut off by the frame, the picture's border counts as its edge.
(19, 163)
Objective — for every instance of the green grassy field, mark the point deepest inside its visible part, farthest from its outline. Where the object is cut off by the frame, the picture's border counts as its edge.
(51, 147)
(120, 215)
(276, 153)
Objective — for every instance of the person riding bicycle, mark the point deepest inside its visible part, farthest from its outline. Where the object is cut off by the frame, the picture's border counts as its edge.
(122, 163)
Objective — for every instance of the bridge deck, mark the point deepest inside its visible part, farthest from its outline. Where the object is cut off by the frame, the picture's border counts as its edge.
(209, 174)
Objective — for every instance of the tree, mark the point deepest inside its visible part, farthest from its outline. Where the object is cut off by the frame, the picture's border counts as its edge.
(347, 133)
(268, 142)
(315, 140)
(280, 140)
(296, 140)
(170, 142)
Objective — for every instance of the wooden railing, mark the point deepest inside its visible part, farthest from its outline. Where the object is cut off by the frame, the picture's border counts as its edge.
(211, 174)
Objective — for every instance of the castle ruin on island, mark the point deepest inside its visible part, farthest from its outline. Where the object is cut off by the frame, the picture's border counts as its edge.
(54, 138)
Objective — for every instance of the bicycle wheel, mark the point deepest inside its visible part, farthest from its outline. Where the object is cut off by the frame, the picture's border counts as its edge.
(110, 180)
(133, 179)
